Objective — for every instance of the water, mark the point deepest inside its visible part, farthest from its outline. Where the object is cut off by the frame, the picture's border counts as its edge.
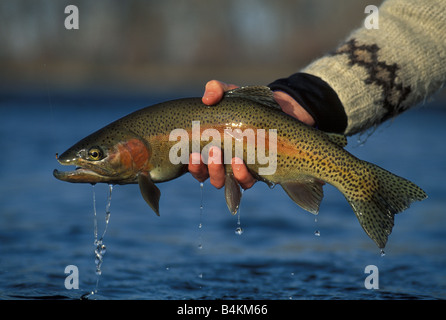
(239, 230)
(46, 224)
(100, 247)
(200, 225)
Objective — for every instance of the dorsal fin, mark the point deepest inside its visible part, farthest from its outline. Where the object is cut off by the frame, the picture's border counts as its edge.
(259, 94)
(337, 139)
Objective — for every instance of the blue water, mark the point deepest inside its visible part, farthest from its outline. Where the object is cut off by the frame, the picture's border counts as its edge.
(46, 224)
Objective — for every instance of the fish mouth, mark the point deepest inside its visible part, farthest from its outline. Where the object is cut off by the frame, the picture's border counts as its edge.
(85, 172)
(79, 175)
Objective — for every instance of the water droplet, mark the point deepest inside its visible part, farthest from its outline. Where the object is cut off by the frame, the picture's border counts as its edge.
(317, 233)
(107, 217)
(200, 275)
(200, 224)
(382, 253)
(238, 230)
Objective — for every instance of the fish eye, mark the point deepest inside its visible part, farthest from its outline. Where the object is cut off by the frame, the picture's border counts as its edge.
(95, 154)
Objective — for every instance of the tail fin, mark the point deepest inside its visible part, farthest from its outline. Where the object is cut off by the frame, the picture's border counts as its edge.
(391, 194)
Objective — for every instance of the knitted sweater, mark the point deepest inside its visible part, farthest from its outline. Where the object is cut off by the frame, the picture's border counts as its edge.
(376, 74)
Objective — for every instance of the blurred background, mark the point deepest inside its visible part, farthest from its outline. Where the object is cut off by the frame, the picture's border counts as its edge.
(166, 45)
(59, 85)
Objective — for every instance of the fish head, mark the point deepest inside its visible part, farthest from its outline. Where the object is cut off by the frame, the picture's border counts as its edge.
(110, 155)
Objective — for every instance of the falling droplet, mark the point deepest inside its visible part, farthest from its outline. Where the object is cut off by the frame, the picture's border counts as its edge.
(382, 253)
(317, 233)
(200, 224)
(238, 230)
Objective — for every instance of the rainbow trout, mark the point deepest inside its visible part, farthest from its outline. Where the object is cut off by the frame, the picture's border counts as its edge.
(153, 144)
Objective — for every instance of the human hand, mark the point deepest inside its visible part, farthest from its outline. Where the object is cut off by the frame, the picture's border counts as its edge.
(215, 170)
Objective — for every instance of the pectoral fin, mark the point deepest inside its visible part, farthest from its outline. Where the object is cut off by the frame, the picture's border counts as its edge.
(307, 193)
(233, 193)
(149, 191)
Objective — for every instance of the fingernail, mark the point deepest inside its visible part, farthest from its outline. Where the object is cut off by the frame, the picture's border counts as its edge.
(236, 160)
(208, 97)
(195, 158)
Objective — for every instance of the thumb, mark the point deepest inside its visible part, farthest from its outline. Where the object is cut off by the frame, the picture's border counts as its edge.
(214, 91)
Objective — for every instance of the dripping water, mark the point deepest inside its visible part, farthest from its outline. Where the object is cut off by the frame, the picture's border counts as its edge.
(317, 233)
(200, 225)
(100, 247)
(239, 229)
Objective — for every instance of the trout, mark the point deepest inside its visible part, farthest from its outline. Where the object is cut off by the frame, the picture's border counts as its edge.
(138, 148)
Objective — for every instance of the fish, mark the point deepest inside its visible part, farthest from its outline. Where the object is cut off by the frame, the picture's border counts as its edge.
(138, 149)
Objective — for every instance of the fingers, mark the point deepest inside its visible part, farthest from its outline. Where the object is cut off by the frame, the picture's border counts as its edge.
(197, 168)
(214, 91)
(241, 174)
(216, 171)
(216, 168)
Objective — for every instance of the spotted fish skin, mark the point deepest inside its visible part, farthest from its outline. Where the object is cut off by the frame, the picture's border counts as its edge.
(135, 149)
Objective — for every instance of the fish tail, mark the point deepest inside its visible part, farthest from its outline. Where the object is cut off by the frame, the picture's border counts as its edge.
(386, 194)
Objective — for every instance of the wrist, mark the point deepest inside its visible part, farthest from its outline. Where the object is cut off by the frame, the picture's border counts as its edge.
(317, 98)
(293, 108)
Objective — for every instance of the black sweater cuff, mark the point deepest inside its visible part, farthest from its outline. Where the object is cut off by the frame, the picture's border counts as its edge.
(317, 98)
